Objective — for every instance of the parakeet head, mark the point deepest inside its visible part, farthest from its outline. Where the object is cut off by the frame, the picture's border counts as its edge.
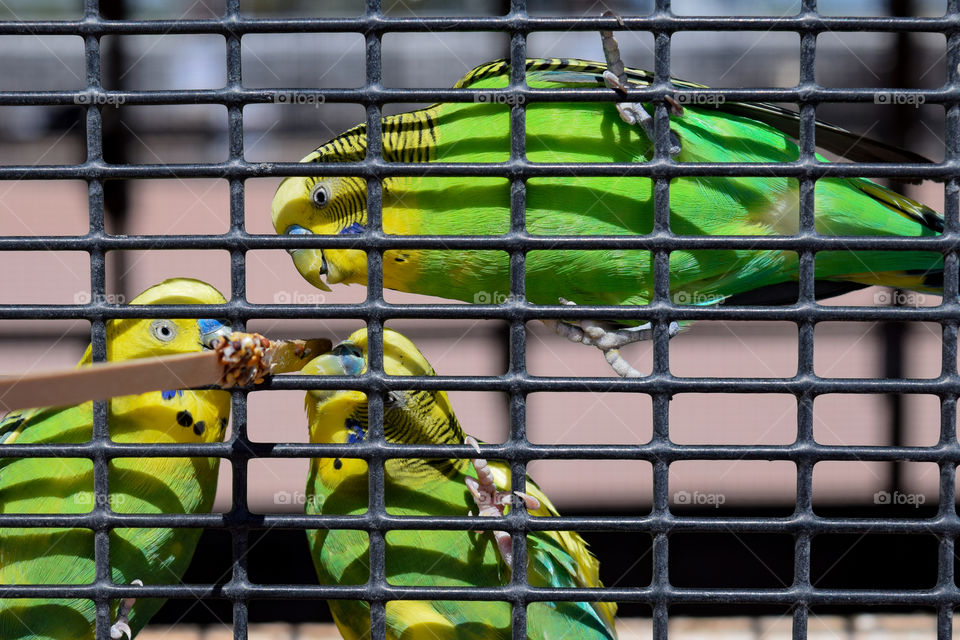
(324, 206)
(410, 417)
(196, 415)
(138, 338)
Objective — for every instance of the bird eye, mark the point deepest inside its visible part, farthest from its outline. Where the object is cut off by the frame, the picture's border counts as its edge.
(320, 195)
(163, 330)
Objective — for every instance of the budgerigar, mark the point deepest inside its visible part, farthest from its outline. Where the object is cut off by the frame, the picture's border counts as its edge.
(434, 487)
(136, 485)
(618, 205)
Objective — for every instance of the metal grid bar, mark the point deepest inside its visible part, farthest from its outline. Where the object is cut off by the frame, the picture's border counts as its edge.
(661, 384)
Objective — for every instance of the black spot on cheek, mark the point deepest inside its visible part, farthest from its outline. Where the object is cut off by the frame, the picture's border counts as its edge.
(337, 464)
(199, 427)
(184, 419)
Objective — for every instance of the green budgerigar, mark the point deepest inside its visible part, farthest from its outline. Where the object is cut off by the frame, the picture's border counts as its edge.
(433, 487)
(65, 556)
(610, 205)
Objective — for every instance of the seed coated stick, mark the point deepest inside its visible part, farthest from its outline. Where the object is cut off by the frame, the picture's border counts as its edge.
(110, 379)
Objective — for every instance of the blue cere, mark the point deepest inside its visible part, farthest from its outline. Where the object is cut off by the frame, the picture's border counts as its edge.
(209, 326)
(353, 229)
(170, 395)
(357, 434)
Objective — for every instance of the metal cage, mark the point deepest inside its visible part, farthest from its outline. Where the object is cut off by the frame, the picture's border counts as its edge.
(803, 524)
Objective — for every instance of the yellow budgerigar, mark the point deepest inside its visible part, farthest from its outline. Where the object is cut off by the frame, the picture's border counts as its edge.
(433, 487)
(136, 485)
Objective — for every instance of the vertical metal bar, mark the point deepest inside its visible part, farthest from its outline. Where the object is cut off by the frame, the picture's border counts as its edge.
(98, 334)
(805, 329)
(518, 332)
(239, 440)
(373, 304)
(661, 338)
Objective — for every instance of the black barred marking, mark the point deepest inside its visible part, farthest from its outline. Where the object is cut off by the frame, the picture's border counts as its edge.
(184, 419)
(407, 137)
(416, 420)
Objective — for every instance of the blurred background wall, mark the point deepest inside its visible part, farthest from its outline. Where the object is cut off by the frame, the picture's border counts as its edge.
(198, 133)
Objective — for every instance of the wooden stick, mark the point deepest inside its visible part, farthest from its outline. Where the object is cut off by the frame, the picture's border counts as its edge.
(109, 379)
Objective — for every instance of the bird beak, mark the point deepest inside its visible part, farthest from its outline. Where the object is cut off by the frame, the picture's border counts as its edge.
(312, 265)
(289, 204)
(330, 364)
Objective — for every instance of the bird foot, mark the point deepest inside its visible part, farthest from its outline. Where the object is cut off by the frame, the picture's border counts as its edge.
(591, 333)
(121, 627)
(490, 501)
(615, 77)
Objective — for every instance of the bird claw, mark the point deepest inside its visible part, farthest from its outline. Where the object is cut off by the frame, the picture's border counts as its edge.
(615, 77)
(591, 333)
(121, 627)
(491, 501)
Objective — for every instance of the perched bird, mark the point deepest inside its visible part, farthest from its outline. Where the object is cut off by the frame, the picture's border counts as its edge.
(603, 132)
(434, 487)
(136, 485)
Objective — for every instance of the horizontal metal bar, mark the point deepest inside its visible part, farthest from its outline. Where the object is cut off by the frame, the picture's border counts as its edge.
(525, 452)
(790, 596)
(369, 240)
(513, 310)
(237, 169)
(286, 96)
(809, 23)
(651, 524)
